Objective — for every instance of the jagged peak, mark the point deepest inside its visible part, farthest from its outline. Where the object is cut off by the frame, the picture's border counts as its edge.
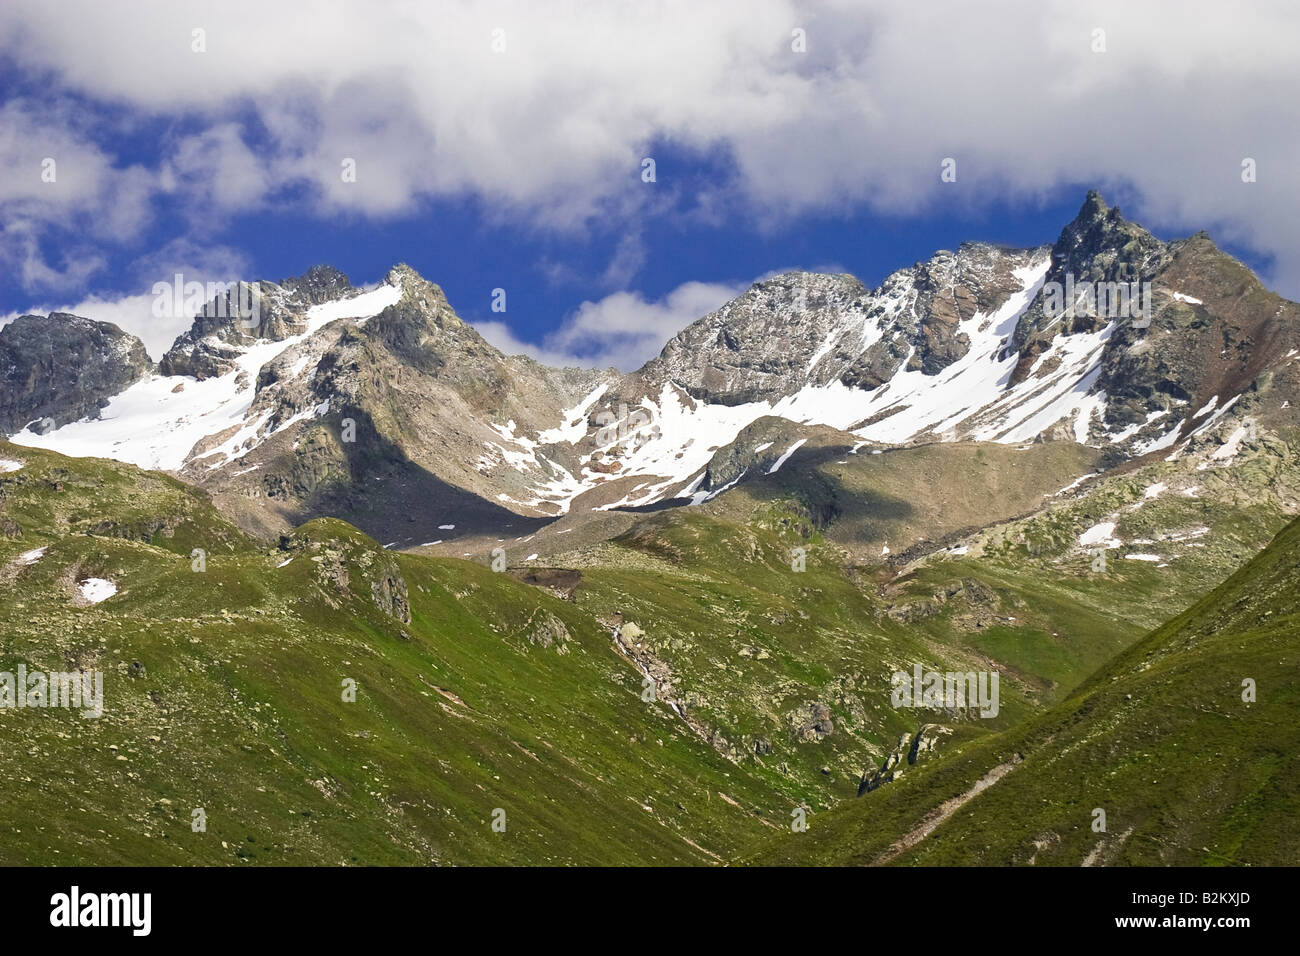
(1100, 226)
(796, 278)
(401, 274)
(1094, 206)
(416, 287)
(321, 283)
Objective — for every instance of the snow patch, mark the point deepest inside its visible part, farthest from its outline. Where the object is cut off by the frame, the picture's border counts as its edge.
(1100, 535)
(360, 307)
(573, 421)
(1076, 483)
(1229, 449)
(786, 457)
(96, 590)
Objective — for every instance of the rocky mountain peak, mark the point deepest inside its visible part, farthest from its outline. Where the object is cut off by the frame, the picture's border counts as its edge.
(321, 283)
(1099, 237)
(59, 368)
(221, 330)
(423, 328)
(1099, 247)
(765, 342)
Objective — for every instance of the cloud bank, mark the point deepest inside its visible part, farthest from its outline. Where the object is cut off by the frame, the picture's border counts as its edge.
(544, 111)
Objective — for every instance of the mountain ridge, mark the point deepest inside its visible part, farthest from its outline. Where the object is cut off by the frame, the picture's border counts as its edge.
(960, 347)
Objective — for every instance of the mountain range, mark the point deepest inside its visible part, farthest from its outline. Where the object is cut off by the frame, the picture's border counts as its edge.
(1074, 466)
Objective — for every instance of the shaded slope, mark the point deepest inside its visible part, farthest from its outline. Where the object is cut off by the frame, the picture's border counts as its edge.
(1161, 739)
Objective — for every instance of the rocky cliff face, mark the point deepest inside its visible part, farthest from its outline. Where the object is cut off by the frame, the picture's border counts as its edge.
(410, 398)
(59, 368)
(800, 329)
(210, 348)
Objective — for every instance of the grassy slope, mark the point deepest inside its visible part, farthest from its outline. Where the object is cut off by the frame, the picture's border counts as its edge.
(1187, 772)
(751, 645)
(239, 711)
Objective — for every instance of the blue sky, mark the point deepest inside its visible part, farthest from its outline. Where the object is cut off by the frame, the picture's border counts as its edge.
(520, 167)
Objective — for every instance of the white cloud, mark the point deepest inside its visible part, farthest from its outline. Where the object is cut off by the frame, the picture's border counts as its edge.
(134, 312)
(551, 131)
(216, 171)
(623, 329)
(51, 173)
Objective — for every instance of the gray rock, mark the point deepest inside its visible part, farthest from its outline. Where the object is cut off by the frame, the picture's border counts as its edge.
(60, 368)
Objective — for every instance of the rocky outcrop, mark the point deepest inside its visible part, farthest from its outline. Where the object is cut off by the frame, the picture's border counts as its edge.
(802, 328)
(221, 332)
(970, 593)
(753, 451)
(546, 630)
(389, 591)
(816, 725)
(910, 749)
(60, 368)
(349, 565)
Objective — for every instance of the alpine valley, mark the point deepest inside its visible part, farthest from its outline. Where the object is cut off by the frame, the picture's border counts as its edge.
(655, 617)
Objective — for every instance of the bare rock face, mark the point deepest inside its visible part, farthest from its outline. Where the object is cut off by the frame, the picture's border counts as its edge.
(1098, 246)
(910, 750)
(219, 333)
(319, 284)
(762, 343)
(801, 328)
(63, 368)
(817, 725)
(388, 588)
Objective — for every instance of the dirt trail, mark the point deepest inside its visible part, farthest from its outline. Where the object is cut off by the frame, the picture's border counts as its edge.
(942, 812)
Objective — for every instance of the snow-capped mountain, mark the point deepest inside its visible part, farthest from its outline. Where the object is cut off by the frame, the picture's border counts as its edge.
(381, 405)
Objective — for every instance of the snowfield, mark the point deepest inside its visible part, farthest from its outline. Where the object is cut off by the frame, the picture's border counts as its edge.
(153, 425)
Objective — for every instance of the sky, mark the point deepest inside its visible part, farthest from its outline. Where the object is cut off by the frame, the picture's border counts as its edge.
(505, 146)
